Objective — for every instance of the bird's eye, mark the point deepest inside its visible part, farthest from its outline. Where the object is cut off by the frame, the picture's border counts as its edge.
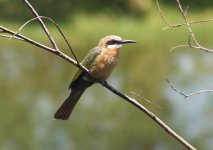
(112, 42)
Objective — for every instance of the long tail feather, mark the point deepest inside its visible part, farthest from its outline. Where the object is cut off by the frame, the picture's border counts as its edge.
(67, 107)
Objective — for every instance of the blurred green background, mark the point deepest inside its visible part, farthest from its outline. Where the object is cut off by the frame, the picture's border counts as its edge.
(33, 83)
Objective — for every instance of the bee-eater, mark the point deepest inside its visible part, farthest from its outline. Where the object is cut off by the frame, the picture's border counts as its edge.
(100, 61)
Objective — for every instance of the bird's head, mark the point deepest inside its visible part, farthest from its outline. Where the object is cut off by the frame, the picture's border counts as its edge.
(113, 42)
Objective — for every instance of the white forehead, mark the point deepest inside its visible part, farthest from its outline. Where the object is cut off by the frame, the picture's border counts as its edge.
(114, 37)
(104, 41)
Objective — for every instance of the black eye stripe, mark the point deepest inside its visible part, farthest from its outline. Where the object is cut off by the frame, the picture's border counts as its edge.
(112, 42)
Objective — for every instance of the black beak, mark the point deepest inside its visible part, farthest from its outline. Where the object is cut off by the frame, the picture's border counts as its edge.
(127, 41)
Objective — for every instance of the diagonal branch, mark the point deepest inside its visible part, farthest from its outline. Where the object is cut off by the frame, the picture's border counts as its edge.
(162, 16)
(44, 47)
(169, 25)
(42, 24)
(150, 115)
(187, 24)
(57, 26)
(184, 94)
(197, 45)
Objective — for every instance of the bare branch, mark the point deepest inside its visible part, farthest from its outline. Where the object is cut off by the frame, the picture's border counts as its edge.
(64, 37)
(197, 45)
(133, 93)
(57, 26)
(42, 24)
(187, 23)
(184, 94)
(19, 30)
(44, 47)
(183, 24)
(169, 25)
(185, 12)
(150, 114)
(178, 46)
(161, 14)
(9, 36)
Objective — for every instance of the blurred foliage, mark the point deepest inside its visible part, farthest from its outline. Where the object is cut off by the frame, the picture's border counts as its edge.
(194, 4)
(67, 8)
(34, 83)
(61, 10)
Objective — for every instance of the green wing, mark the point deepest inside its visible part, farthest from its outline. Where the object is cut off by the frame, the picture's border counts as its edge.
(86, 62)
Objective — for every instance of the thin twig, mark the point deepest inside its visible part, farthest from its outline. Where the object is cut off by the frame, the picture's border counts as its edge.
(57, 26)
(197, 45)
(185, 12)
(187, 24)
(42, 24)
(184, 94)
(178, 46)
(161, 15)
(183, 24)
(9, 36)
(136, 94)
(35, 43)
(64, 37)
(169, 25)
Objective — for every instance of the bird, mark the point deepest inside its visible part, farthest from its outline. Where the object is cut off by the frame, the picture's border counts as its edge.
(100, 61)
